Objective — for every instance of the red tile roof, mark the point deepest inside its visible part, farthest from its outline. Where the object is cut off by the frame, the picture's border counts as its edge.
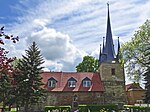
(133, 86)
(62, 81)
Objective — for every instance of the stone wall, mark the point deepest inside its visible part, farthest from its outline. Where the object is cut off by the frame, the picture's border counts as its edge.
(66, 98)
(105, 71)
(114, 92)
(114, 83)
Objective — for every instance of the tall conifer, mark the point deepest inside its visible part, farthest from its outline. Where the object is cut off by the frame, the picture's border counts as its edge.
(29, 83)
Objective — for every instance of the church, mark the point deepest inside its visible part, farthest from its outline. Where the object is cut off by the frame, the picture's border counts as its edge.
(107, 85)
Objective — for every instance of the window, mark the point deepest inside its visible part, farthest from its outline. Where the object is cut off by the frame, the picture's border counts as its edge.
(52, 82)
(114, 94)
(86, 82)
(113, 71)
(72, 82)
(75, 97)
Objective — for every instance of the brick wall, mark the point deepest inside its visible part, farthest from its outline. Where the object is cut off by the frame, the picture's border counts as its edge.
(135, 95)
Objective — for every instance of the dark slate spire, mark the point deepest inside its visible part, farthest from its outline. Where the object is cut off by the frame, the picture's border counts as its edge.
(118, 51)
(100, 52)
(109, 47)
(118, 46)
(103, 45)
(108, 52)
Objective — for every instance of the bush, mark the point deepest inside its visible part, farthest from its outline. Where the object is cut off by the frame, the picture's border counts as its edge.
(13, 110)
(60, 108)
(85, 108)
(137, 108)
(98, 108)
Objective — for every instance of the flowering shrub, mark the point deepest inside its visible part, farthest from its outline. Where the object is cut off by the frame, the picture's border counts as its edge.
(6, 70)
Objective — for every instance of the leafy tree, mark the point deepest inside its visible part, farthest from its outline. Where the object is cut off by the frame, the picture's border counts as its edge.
(15, 63)
(89, 64)
(136, 56)
(16, 75)
(135, 53)
(147, 86)
(6, 71)
(29, 80)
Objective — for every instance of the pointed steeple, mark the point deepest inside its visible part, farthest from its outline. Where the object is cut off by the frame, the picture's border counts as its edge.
(108, 52)
(109, 47)
(118, 52)
(100, 53)
(103, 45)
(118, 46)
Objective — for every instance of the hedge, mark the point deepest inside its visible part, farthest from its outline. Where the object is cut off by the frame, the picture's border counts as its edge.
(85, 108)
(60, 108)
(136, 108)
(97, 108)
(12, 110)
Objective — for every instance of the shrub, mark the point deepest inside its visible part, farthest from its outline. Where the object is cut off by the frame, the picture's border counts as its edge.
(85, 108)
(137, 108)
(98, 108)
(60, 108)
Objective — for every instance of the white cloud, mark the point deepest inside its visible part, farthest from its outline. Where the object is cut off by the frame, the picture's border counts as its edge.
(52, 65)
(54, 45)
(40, 22)
(66, 31)
(56, 48)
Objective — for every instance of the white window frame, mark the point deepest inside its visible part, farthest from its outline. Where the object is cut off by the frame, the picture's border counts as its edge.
(87, 83)
(71, 83)
(51, 83)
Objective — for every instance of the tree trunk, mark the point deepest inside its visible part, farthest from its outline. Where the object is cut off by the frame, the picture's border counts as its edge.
(26, 107)
(17, 107)
(3, 108)
(9, 107)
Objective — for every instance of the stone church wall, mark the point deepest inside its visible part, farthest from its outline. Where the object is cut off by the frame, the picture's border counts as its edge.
(114, 83)
(114, 92)
(66, 98)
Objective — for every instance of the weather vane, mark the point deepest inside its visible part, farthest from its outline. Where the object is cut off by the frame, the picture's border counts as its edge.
(108, 3)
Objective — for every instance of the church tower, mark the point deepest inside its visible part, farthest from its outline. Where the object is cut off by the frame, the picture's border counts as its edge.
(111, 71)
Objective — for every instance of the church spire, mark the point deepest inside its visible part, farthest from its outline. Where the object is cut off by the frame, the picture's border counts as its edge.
(118, 45)
(109, 47)
(108, 52)
(103, 45)
(118, 51)
(100, 52)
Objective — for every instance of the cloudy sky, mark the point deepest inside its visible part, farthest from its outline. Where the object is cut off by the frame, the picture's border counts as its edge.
(67, 30)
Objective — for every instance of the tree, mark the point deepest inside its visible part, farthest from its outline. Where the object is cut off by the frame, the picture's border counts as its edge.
(29, 85)
(147, 86)
(136, 56)
(6, 71)
(89, 64)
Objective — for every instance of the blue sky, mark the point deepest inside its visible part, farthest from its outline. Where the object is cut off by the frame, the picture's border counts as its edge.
(67, 30)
